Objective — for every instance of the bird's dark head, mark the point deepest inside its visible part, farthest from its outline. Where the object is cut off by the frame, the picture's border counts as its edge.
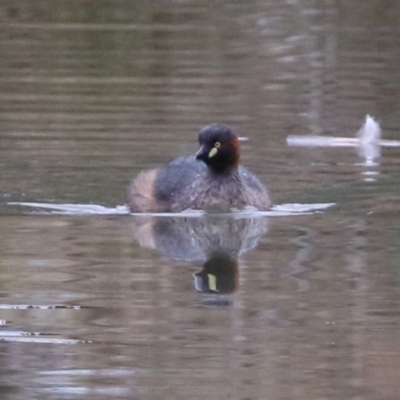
(219, 148)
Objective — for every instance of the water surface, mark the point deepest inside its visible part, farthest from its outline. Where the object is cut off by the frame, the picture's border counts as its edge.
(287, 306)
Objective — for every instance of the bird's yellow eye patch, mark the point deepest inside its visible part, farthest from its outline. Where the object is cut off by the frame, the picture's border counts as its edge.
(212, 152)
(212, 282)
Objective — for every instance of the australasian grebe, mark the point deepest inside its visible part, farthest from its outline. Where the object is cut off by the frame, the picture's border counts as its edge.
(219, 182)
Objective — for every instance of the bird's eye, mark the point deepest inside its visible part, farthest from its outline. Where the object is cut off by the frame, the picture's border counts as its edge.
(217, 145)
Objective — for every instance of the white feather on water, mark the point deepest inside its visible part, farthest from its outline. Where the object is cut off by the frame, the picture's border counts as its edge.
(370, 134)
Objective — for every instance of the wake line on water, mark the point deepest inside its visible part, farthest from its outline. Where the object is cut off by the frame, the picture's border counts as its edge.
(93, 209)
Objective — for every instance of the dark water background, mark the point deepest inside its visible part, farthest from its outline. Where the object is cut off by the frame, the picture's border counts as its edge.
(106, 306)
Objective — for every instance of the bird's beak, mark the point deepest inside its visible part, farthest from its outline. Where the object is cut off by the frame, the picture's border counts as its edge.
(201, 153)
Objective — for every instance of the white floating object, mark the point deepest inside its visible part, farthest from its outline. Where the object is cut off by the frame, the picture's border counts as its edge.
(370, 132)
(369, 135)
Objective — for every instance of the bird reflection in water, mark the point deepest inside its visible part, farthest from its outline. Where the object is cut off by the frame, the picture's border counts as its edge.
(216, 240)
